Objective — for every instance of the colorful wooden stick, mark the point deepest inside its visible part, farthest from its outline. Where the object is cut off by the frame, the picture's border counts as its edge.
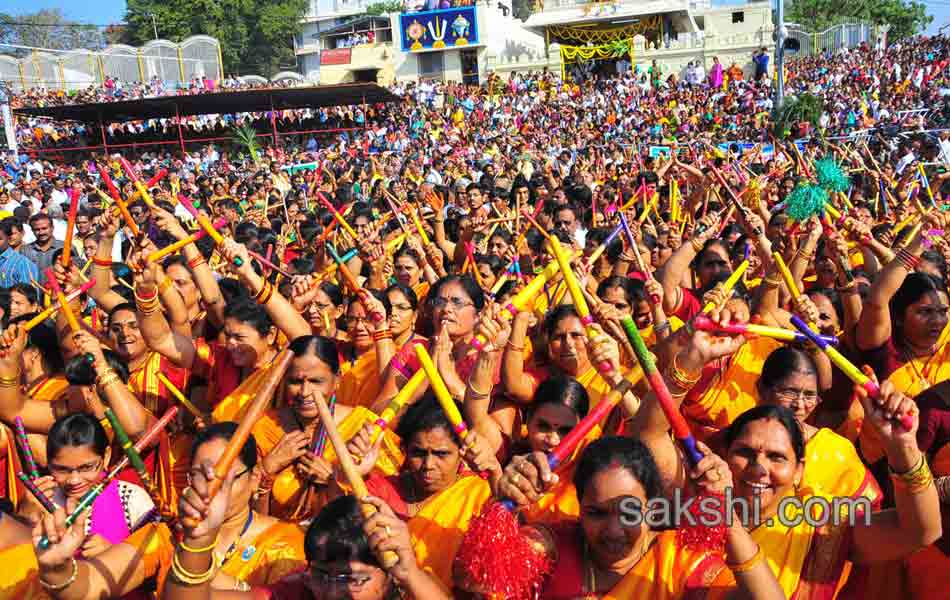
(63, 303)
(45, 502)
(729, 284)
(172, 248)
(205, 224)
(70, 227)
(387, 559)
(135, 459)
(267, 263)
(846, 366)
(776, 333)
(137, 182)
(321, 442)
(24, 443)
(336, 215)
(418, 224)
(119, 202)
(89, 497)
(254, 412)
(441, 392)
(580, 303)
(180, 396)
(399, 400)
(53, 309)
(603, 246)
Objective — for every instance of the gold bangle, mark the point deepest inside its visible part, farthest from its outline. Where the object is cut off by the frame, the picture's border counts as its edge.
(187, 577)
(188, 548)
(915, 481)
(13, 381)
(697, 245)
(748, 564)
(62, 586)
(514, 347)
(681, 378)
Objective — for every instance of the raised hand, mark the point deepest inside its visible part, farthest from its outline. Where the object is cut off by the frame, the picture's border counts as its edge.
(64, 541)
(364, 451)
(712, 474)
(388, 533)
(885, 412)
(525, 479)
(208, 513)
(168, 223)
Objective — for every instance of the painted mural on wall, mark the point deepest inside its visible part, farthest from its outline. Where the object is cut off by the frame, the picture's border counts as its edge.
(438, 29)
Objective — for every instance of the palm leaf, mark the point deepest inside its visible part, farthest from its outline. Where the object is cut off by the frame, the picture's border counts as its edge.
(245, 137)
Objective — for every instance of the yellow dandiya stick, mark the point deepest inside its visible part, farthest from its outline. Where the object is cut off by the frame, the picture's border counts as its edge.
(580, 303)
(418, 224)
(395, 405)
(441, 392)
(336, 215)
(388, 558)
(255, 411)
(137, 182)
(173, 248)
(900, 226)
(326, 319)
(650, 206)
(63, 302)
(180, 396)
(729, 284)
(786, 275)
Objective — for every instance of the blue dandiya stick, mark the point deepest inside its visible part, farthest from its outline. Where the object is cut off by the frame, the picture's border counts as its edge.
(880, 184)
(321, 442)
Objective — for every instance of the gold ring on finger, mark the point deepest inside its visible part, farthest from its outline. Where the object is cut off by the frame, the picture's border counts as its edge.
(515, 478)
(389, 532)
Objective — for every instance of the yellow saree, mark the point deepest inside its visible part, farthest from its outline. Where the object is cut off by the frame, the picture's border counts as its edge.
(833, 467)
(231, 407)
(732, 393)
(360, 385)
(289, 499)
(437, 529)
(560, 503)
(19, 578)
(48, 389)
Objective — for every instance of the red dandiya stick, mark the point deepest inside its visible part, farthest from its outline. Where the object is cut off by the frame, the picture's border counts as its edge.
(122, 206)
(70, 227)
(267, 263)
(63, 302)
(137, 182)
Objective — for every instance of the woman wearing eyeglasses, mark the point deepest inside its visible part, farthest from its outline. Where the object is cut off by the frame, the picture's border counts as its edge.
(249, 549)
(790, 379)
(453, 306)
(77, 451)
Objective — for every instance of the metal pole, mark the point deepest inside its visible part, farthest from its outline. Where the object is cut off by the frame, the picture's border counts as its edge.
(273, 120)
(181, 138)
(780, 36)
(154, 26)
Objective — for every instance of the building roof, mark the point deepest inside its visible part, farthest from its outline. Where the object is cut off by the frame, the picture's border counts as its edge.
(348, 25)
(257, 100)
(574, 13)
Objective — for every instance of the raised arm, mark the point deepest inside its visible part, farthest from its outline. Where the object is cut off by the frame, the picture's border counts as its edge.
(37, 416)
(519, 386)
(155, 330)
(101, 291)
(671, 274)
(480, 382)
(278, 308)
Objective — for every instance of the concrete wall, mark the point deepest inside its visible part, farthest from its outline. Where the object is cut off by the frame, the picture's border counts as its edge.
(365, 56)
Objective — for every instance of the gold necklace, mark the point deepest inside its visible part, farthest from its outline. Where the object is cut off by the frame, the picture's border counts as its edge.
(591, 583)
(925, 383)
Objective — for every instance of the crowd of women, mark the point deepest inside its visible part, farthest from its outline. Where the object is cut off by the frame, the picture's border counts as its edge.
(271, 383)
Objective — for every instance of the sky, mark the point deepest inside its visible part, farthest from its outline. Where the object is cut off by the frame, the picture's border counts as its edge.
(105, 12)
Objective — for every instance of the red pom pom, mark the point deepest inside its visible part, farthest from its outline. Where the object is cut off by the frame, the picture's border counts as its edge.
(695, 533)
(496, 558)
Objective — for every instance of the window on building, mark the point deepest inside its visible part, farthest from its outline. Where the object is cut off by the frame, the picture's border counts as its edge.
(430, 64)
(738, 17)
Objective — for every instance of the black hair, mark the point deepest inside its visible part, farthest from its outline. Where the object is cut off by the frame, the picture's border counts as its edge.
(225, 430)
(561, 390)
(333, 292)
(406, 291)
(555, 316)
(27, 290)
(471, 288)
(769, 411)
(915, 286)
(336, 534)
(626, 284)
(627, 453)
(76, 429)
(322, 347)
(833, 297)
(120, 307)
(782, 362)
(614, 248)
(43, 337)
(425, 415)
(249, 312)
(80, 371)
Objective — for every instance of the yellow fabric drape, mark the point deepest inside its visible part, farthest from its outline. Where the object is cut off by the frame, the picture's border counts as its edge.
(288, 490)
(664, 572)
(833, 467)
(19, 578)
(231, 407)
(437, 529)
(277, 552)
(560, 503)
(360, 385)
(587, 35)
(732, 393)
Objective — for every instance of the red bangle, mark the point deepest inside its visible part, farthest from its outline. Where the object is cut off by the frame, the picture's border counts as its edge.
(102, 262)
(196, 262)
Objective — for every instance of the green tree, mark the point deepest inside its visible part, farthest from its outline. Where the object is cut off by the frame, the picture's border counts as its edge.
(382, 8)
(905, 17)
(47, 29)
(256, 37)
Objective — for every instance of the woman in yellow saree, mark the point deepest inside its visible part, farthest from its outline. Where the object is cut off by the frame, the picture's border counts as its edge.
(766, 455)
(294, 477)
(360, 385)
(434, 492)
(613, 552)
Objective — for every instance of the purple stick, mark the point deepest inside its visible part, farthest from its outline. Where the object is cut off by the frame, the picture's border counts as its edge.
(40, 496)
(25, 448)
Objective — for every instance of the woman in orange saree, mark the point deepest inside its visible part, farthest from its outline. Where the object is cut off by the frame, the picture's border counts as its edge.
(295, 478)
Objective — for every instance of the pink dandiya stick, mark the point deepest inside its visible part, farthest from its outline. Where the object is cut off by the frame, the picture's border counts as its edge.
(70, 227)
(44, 501)
(267, 263)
